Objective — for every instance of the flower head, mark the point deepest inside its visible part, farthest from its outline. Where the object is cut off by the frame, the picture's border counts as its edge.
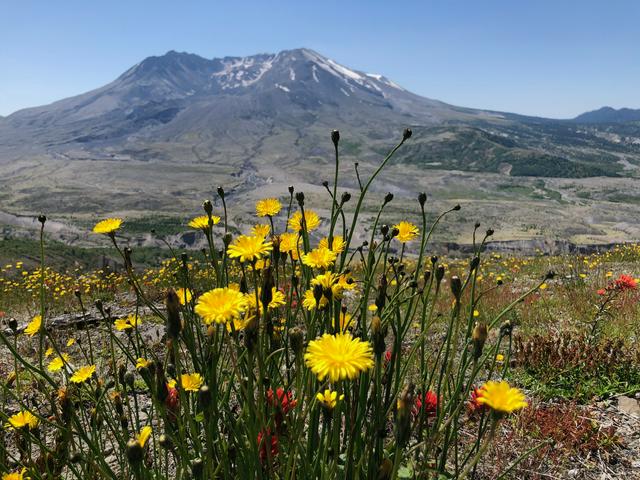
(625, 282)
(290, 243)
(263, 439)
(338, 356)
(143, 435)
(501, 397)
(142, 363)
(58, 362)
(202, 222)
(261, 230)
(269, 207)
(191, 382)
(126, 323)
(406, 231)
(249, 248)
(319, 258)
(221, 305)
(34, 326)
(281, 400)
(337, 245)
(22, 419)
(311, 219)
(15, 475)
(184, 295)
(329, 399)
(83, 374)
(428, 403)
(108, 226)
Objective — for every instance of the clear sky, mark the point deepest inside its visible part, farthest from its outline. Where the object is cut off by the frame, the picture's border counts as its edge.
(553, 58)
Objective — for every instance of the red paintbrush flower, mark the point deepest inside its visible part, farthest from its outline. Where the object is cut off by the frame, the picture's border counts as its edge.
(429, 403)
(625, 282)
(263, 439)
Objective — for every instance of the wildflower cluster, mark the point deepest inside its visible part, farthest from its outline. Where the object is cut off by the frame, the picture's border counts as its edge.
(290, 350)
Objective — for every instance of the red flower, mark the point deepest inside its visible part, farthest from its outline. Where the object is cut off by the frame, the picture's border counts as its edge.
(283, 402)
(625, 282)
(602, 291)
(387, 356)
(473, 405)
(430, 404)
(262, 443)
(172, 402)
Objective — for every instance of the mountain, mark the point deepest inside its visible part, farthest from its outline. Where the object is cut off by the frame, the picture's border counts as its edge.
(609, 115)
(164, 133)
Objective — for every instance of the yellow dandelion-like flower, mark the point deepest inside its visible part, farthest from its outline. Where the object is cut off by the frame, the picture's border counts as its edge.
(501, 397)
(191, 382)
(337, 245)
(58, 362)
(406, 231)
(202, 222)
(184, 295)
(269, 207)
(319, 258)
(309, 301)
(311, 219)
(108, 226)
(22, 419)
(261, 230)
(34, 326)
(16, 475)
(126, 323)
(338, 357)
(249, 248)
(345, 321)
(83, 374)
(290, 243)
(221, 305)
(143, 436)
(277, 299)
(48, 352)
(71, 341)
(329, 399)
(142, 363)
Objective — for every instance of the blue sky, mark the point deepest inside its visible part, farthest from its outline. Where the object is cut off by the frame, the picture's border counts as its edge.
(550, 58)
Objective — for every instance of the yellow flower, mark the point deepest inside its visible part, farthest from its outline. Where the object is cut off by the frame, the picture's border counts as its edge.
(501, 397)
(261, 230)
(16, 475)
(221, 305)
(142, 363)
(406, 231)
(108, 226)
(71, 341)
(543, 286)
(290, 243)
(338, 357)
(337, 245)
(319, 258)
(309, 301)
(23, 419)
(58, 362)
(143, 436)
(499, 357)
(249, 248)
(83, 374)
(126, 323)
(202, 222)
(345, 321)
(191, 382)
(48, 352)
(476, 313)
(329, 399)
(277, 299)
(311, 218)
(184, 295)
(268, 207)
(34, 326)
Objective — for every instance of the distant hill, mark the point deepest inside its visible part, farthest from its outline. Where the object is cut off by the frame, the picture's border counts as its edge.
(263, 120)
(609, 115)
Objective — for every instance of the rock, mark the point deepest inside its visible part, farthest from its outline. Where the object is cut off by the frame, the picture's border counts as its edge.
(629, 405)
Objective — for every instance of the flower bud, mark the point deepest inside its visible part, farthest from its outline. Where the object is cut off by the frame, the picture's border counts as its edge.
(388, 197)
(221, 192)
(135, 452)
(208, 207)
(474, 263)
(296, 340)
(478, 337)
(174, 324)
(490, 232)
(346, 196)
(406, 135)
(291, 189)
(422, 199)
(127, 258)
(335, 137)
(378, 334)
(165, 442)
(384, 229)
(456, 287)
(439, 273)
(13, 325)
(204, 397)
(456, 208)
(300, 198)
